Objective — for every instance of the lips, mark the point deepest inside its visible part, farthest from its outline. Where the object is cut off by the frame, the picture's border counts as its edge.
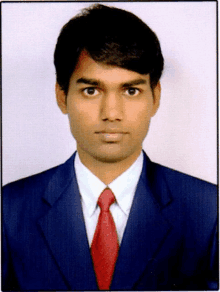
(111, 131)
(111, 136)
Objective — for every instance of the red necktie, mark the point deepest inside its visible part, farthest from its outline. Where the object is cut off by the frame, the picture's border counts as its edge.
(104, 248)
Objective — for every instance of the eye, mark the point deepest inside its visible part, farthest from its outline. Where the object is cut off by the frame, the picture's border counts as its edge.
(132, 91)
(90, 91)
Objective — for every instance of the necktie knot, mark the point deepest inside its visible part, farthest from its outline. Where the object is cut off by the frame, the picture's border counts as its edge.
(106, 199)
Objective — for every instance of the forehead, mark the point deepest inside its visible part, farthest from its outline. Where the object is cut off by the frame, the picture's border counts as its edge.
(107, 74)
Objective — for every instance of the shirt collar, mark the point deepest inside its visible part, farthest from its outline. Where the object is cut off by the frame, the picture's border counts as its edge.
(90, 186)
(123, 186)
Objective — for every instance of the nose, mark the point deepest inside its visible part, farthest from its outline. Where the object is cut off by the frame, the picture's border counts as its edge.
(112, 107)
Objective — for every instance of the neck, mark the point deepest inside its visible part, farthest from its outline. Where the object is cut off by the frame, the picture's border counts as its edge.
(107, 172)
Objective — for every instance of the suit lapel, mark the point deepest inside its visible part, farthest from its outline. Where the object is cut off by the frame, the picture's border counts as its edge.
(145, 231)
(64, 230)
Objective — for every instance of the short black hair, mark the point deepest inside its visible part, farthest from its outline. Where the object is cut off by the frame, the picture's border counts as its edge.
(111, 36)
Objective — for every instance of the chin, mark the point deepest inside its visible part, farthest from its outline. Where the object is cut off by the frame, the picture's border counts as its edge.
(111, 156)
(111, 153)
(109, 159)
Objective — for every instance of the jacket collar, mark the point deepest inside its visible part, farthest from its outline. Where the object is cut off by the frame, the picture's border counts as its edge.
(155, 181)
(60, 180)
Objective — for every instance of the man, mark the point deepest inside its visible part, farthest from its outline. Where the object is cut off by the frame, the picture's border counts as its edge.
(109, 218)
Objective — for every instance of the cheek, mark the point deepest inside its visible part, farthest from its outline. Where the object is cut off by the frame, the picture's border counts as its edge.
(139, 120)
(83, 110)
(82, 117)
(139, 115)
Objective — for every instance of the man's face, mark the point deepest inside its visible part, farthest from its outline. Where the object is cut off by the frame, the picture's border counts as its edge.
(109, 109)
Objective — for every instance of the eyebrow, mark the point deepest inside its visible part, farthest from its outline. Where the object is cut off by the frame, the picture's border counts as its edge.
(88, 81)
(135, 82)
(95, 82)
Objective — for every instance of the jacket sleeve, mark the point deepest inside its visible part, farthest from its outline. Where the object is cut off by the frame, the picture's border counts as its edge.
(213, 265)
(9, 281)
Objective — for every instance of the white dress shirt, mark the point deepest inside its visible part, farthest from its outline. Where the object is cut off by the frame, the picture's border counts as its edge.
(123, 187)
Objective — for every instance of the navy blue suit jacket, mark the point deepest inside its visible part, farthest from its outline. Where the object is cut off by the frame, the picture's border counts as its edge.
(169, 242)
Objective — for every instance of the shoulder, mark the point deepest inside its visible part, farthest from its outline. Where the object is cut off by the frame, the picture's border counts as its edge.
(37, 182)
(183, 190)
(178, 180)
(190, 195)
(29, 191)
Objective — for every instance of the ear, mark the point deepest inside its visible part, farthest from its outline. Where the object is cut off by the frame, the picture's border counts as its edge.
(61, 98)
(156, 97)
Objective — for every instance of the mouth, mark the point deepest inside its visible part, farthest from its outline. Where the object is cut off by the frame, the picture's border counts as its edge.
(111, 136)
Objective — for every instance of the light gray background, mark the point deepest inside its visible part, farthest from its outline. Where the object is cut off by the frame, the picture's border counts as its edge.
(182, 135)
